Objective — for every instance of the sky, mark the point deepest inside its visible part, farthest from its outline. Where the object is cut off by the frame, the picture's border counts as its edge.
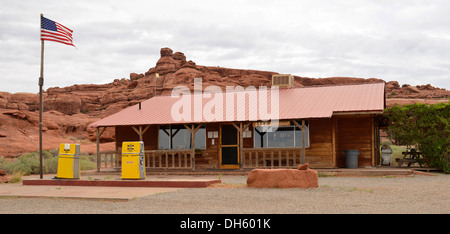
(403, 40)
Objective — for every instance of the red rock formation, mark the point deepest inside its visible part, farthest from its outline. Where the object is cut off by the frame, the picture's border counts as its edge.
(303, 177)
(3, 177)
(69, 110)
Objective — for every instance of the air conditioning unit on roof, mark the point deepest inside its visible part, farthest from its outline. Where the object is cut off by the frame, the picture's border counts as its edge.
(283, 80)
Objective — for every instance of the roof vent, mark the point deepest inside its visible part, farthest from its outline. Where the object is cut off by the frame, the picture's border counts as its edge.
(283, 80)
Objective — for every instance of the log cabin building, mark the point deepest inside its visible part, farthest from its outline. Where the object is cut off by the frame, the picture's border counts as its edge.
(225, 130)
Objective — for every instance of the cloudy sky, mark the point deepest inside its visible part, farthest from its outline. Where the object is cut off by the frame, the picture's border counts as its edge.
(403, 40)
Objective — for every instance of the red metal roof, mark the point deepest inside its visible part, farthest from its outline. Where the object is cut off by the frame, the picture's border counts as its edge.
(293, 103)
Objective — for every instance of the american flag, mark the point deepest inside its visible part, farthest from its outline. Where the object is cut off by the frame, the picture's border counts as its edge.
(54, 31)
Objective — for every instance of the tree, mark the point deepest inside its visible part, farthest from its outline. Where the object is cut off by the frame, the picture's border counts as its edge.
(427, 127)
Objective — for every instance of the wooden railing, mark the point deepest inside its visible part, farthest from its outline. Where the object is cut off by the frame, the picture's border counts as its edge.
(181, 159)
(164, 159)
(168, 159)
(271, 157)
(109, 159)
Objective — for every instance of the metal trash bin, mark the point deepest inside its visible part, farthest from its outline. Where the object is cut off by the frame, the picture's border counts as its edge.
(351, 158)
(68, 161)
(386, 154)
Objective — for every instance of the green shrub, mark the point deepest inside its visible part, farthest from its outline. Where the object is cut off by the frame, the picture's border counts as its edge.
(427, 127)
(88, 162)
(16, 178)
(28, 163)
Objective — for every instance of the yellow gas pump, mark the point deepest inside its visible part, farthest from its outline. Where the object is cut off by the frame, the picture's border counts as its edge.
(68, 161)
(133, 163)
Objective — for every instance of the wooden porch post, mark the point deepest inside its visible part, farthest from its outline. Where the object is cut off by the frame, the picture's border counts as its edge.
(99, 133)
(333, 142)
(303, 152)
(98, 150)
(372, 136)
(140, 132)
(192, 147)
(193, 130)
(303, 156)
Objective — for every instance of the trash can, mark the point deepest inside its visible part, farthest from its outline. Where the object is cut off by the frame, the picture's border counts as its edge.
(386, 154)
(133, 161)
(351, 158)
(68, 161)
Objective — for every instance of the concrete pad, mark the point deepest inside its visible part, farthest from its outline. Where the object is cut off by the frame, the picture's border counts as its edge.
(101, 187)
(79, 192)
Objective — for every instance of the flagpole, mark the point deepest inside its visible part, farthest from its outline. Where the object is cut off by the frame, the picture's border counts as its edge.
(41, 83)
(53, 31)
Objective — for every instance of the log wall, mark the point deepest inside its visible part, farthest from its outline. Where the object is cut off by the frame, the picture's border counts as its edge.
(355, 133)
(319, 154)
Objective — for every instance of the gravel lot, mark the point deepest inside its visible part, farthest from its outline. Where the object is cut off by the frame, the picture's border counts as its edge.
(349, 195)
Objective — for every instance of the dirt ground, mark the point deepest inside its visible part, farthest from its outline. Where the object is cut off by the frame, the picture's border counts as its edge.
(419, 194)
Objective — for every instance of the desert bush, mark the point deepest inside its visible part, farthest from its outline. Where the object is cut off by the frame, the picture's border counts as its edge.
(28, 163)
(16, 178)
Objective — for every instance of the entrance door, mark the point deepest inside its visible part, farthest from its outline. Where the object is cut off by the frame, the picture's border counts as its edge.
(229, 147)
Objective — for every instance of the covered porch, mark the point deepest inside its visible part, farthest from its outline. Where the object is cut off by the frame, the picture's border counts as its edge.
(242, 145)
(223, 149)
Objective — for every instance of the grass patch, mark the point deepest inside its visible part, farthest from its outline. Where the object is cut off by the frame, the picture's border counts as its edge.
(326, 174)
(28, 164)
(227, 185)
(361, 190)
(355, 189)
(16, 178)
(108, 178)
(396, 151)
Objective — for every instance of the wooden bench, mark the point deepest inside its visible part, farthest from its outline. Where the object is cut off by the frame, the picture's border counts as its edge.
(412, 156)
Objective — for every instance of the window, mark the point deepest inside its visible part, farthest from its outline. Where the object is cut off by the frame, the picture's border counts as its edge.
(178, 137)
(200, 138)
(284, 136)
(164, 137)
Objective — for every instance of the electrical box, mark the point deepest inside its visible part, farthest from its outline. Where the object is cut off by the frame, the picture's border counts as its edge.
(133, 160)
(68, 161)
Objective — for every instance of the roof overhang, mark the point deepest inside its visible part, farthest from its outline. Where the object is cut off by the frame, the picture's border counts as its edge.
(292, 103)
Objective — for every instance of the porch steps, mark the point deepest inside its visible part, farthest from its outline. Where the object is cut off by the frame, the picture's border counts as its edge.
(378, 171)
(366, 172)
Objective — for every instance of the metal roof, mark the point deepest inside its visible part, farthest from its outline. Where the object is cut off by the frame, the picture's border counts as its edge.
(293, 103)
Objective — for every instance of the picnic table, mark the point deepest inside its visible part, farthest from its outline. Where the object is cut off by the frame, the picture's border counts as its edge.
(410, 156)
